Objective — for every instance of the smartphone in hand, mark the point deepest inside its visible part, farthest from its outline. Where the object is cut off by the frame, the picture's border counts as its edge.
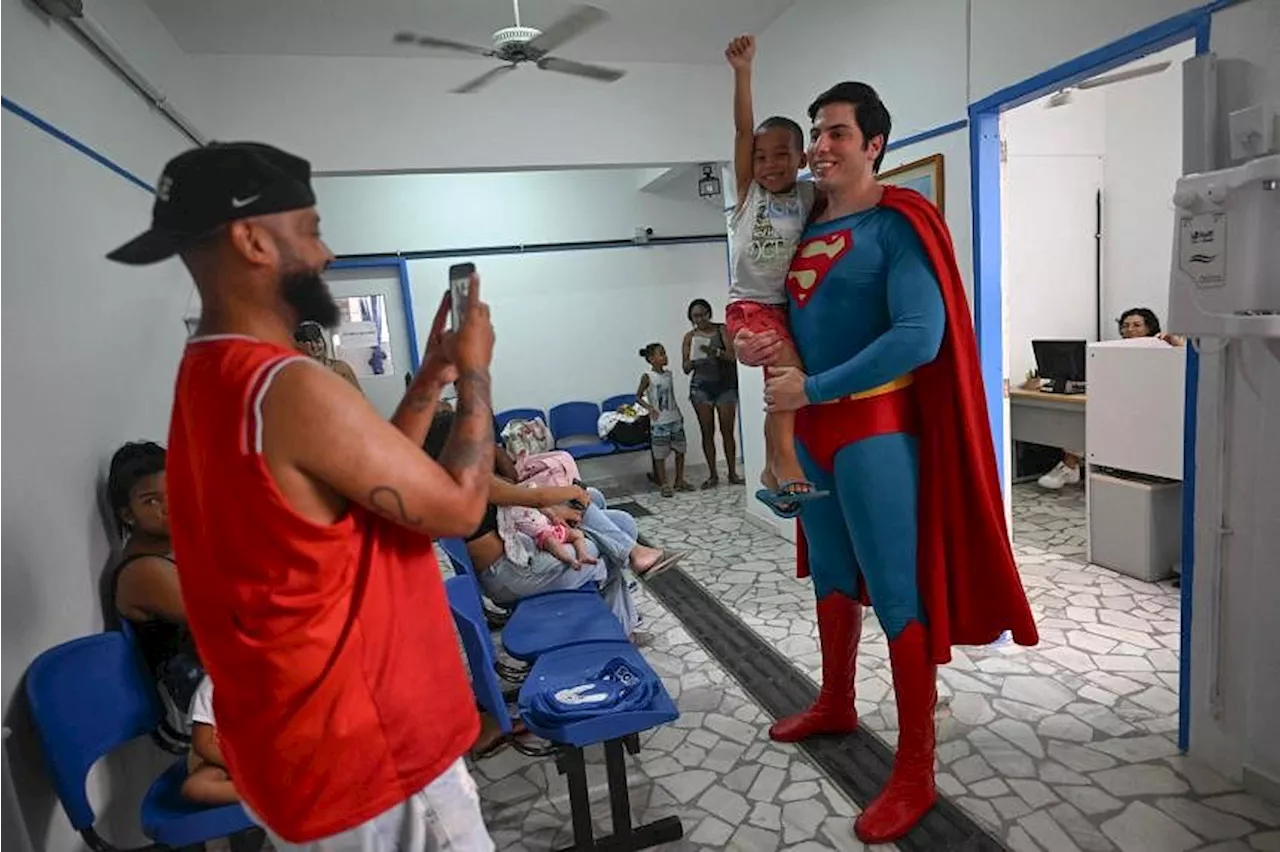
(459, 286)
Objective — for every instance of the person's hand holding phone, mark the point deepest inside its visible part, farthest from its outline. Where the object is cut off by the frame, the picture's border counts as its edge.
(473, 339)
(438, 367)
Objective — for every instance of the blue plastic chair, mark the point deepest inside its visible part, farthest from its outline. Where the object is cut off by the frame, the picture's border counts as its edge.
(574, 426)
(502, 418)
(90, 696)
(616, 730)
(546, 621)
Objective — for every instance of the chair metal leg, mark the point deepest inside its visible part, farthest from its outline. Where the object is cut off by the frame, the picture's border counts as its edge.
(573, 766)
(619, 796)
(248, 840)
(624, 837)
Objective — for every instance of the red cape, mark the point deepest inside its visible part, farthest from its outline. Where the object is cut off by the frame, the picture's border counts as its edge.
(968, 580)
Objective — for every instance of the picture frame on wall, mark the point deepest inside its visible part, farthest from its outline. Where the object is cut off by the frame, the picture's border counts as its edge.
(925, 176)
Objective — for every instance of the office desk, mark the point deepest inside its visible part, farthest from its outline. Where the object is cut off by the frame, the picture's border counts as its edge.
(1051, 419)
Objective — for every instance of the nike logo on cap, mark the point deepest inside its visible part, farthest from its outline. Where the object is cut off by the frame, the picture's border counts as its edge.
(244, 202)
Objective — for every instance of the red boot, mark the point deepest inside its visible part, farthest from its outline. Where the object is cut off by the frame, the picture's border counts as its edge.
(839, 627)
(910, 793)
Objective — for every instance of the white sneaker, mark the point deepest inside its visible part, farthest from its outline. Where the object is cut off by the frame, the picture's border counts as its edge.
(1060, 476)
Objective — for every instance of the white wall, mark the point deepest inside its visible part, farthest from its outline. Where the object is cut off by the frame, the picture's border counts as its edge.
(1143, 161)
(1049, 183)
(394, 114)
(372, 214)
(1237, 634)
(570, 325)
(89, 351)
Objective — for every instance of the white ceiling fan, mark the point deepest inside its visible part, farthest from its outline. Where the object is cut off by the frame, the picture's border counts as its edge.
(1063, 96)
(517, 44)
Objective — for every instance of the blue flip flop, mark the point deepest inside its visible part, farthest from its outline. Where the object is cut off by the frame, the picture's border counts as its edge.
(786, 504)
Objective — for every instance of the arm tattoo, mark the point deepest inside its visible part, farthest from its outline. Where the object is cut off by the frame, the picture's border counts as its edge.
(388, 501)
(471, 441)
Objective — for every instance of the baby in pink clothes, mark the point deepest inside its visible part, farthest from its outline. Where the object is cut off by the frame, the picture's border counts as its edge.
(566, 543)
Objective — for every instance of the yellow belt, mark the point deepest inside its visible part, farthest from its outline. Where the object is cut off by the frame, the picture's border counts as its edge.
(880, 390)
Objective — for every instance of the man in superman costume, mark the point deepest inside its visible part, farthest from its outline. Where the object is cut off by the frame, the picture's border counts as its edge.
(892, 421)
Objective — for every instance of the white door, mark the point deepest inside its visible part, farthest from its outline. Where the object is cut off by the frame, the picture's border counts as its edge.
(374, 335)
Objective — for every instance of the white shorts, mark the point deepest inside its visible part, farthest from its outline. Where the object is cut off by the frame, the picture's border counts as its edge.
(444, 816)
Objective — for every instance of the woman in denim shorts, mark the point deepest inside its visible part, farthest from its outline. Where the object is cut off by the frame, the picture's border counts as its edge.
(713, 388)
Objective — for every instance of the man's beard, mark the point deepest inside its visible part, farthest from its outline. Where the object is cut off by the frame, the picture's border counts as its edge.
(306, 292)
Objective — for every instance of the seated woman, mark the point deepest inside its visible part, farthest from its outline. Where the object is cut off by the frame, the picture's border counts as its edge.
(506, 582)
(1133, 323)
(144, 584)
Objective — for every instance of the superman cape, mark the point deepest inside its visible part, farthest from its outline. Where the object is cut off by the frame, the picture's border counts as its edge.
(968, 580)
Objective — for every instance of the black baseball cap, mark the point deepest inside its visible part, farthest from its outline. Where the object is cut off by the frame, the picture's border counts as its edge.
(204, 188)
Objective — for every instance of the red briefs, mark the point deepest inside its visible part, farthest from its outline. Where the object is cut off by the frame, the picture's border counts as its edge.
(826, 428)
(757, 317)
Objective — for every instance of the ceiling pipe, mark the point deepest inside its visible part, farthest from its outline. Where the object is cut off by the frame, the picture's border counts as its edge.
(72, 13)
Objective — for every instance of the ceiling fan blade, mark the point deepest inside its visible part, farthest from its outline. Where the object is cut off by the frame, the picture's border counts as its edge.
(580, 69)
(579, 20)
(483, 80)
(1120, 76)
(447, 44)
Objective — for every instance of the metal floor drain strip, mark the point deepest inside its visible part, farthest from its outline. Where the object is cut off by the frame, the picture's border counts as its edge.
(859, 763)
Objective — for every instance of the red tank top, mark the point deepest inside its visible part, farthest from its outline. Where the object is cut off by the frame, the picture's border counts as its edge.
(339, 688)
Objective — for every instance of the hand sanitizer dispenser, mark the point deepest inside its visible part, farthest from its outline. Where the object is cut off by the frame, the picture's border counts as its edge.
(1226, 254)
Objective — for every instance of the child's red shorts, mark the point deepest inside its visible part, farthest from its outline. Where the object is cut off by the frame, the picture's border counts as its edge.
(756, 317)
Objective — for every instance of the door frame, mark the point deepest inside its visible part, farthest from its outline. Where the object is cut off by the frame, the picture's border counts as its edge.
(401, 266)
(984, 160)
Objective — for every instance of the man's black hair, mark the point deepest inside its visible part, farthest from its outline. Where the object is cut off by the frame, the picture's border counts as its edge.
(781, 122)
(130, 465)
(869, 111)
(1148, 316)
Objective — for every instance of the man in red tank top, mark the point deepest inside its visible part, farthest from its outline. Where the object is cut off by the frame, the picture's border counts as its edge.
(302, 524)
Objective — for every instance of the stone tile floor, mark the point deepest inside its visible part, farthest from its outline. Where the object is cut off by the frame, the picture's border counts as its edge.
(1069, 745)
(1051, 520)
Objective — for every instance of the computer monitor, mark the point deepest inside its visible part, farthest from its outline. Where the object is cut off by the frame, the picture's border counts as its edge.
(1060, 362)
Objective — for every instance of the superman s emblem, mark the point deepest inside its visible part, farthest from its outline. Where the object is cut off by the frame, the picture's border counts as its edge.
(813, 260)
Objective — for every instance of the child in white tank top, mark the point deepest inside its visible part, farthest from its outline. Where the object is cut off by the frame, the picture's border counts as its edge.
(666, 424)
(764, 229)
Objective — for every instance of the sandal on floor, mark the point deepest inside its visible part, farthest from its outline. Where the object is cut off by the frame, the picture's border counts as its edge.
(684, 486)
(517, 730)
(737, 480)
(665, 560)
(710, 483)
(668, 491)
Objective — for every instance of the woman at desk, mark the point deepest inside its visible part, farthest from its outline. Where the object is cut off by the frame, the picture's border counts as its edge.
(1135, 322)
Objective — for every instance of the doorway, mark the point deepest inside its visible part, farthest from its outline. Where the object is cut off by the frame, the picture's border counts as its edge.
(375, 336)
(1086, 176)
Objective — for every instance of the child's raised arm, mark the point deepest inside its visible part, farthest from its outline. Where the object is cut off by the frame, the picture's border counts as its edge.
(740, 53)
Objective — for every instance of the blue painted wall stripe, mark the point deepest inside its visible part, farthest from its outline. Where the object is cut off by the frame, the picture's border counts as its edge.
(69, 140)
(941, 130)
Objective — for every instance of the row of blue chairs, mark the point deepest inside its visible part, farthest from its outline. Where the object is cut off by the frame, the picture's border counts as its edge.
(574, 425)
(89, 697)
(565, 637)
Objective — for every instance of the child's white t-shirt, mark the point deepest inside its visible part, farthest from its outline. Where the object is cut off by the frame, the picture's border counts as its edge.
(202, 703)
(763, 233)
